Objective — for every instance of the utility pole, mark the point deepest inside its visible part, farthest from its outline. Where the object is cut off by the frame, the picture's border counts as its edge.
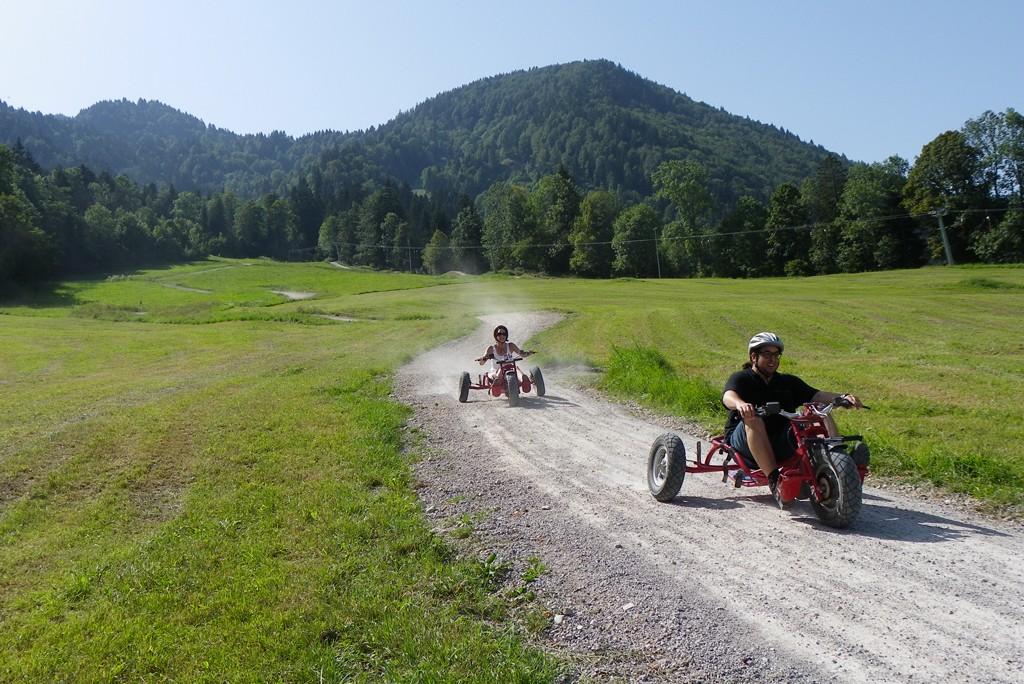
(657, 258)
(942, 231)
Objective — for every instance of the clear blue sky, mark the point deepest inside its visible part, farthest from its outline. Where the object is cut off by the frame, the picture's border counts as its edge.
(867, 79)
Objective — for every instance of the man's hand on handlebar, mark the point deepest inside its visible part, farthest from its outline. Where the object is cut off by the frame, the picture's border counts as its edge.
(848, 401)
(746, 410)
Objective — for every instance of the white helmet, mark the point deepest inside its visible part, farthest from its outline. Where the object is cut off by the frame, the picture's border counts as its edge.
(764, 339)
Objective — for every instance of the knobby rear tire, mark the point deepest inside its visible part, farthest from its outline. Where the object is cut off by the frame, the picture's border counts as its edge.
(464, 383)
(843, 495)
(666, 467)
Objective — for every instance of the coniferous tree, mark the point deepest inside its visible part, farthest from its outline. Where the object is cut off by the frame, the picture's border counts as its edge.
(822, 192)
(371, 248)
(217, 223)
(307, 211)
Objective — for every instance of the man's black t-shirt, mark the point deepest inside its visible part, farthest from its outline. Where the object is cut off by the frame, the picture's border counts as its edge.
(789, 390)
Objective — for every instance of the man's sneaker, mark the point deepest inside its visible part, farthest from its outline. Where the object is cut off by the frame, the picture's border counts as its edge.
(861, 454)
(776, 488)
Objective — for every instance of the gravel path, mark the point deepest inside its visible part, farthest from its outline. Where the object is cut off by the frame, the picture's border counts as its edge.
(720, 585)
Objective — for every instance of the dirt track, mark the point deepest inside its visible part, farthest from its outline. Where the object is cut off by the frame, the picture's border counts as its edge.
(720, 585)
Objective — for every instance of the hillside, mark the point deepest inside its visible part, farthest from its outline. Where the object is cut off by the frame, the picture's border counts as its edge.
(153, 143)
(607, 126)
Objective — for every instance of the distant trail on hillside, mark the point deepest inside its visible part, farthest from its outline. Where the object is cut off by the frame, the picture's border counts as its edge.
(720, 585)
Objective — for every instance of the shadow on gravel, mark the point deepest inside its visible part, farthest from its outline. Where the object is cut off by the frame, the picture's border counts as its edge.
(705, 502)
(898, 524)
(542, 402)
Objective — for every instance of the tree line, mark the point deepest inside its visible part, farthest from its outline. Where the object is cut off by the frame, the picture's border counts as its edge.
(73, 221)
(844, 218)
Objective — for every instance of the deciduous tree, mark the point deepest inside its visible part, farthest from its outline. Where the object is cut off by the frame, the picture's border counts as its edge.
(788, 237)
(592, 234)
(685, 185)
(633, 243)
(740, 249)
(327, 238)
(944, 176)
(509, 227)
(555, 201)
(467, 230)
(874, 231)
(437, 254)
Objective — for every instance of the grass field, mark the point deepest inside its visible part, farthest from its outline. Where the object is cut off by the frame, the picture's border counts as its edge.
(231, 500)
(202, 480)
(937, 353)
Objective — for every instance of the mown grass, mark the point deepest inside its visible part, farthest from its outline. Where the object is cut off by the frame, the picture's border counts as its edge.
(938, 353)
(229, 501)
(215, 485)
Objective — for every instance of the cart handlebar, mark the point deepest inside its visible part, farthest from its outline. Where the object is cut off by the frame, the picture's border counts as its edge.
(773, 408)
(506, 360)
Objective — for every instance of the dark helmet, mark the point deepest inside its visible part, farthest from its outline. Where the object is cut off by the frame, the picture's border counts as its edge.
(499, 329)
(764, 339)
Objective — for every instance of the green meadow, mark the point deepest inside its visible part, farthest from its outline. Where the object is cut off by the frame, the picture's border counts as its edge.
(201, 480)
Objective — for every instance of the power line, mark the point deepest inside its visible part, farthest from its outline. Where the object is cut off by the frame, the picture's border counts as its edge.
(663, 238)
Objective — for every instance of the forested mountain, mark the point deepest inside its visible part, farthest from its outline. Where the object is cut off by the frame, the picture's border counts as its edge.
(153, 143)
(583, 168)
(607, 126)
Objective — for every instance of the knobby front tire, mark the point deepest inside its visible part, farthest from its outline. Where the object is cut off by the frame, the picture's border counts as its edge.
(538, 380)
(666, 467)
(512, 389)
(841, 488)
